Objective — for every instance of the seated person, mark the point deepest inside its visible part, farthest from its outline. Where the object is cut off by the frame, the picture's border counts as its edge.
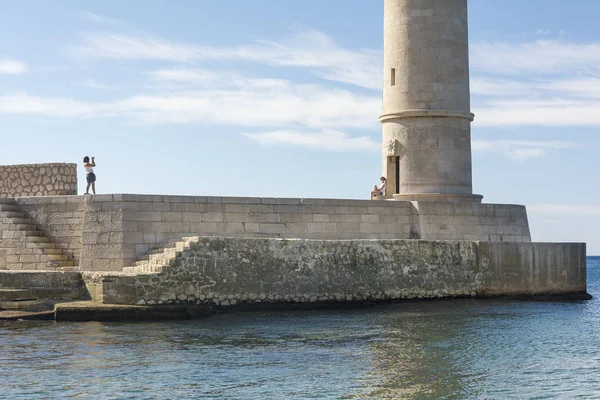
(379, 190)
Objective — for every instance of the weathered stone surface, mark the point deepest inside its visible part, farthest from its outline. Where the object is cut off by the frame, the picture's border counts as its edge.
(226, 271)
(38, 180)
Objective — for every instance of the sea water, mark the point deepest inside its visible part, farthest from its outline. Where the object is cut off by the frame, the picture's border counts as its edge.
(452, 349)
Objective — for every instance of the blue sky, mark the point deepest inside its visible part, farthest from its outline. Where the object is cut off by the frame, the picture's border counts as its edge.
(282, 98)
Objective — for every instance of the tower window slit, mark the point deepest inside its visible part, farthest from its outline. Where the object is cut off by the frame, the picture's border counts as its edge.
(393, 77)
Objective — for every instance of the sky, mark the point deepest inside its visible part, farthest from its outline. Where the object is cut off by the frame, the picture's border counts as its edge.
(276, 98)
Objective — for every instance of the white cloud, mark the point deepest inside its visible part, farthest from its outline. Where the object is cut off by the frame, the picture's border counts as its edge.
(505, 92)
(12, 67)
(538, 83)
(92, 84)
(50, 107)
(306, 49)
(499, 87)
(565, 210)
(119, 46)
(536, 57)
(186, 75)
(185, 91)
(513, 100)
(326, 140)
(259, 103)
(527, 153)
(519, 150)
(581, 87)
(99, 19)
(554, 112)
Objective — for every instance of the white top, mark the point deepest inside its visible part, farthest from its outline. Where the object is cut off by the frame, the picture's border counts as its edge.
(381, 187)
(89, 169)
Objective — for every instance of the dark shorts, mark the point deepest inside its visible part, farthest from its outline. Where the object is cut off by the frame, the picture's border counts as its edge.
(91, 177)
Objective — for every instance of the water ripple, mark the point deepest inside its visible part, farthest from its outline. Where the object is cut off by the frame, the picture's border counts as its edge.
(465, 349)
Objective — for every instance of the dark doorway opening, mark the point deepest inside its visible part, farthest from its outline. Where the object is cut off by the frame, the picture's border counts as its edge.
(397, 175)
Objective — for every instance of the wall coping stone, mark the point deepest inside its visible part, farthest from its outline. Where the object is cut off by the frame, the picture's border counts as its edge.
(40, 165)
(247, 200)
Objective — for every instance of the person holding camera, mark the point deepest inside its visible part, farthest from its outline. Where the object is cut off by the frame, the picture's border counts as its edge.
(89, 174)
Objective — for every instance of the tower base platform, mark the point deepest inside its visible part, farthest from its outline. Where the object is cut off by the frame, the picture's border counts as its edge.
(439, 197)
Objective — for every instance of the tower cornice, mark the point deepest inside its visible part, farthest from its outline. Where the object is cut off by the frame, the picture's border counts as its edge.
(426, 113)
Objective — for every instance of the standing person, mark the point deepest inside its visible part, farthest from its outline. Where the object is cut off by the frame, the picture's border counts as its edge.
(89, 174)
(379, 190)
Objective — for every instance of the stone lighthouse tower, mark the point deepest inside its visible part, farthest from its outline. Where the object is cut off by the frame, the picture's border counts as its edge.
(426, 102)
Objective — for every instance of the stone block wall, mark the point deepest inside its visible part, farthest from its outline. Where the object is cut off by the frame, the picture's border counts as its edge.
(38, 180)
(472, 221)
(110, 232)
(61, 219)
(531, 268)
(233, 271)
(119, 228)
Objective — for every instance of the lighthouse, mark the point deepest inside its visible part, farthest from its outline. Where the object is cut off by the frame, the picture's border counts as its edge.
(426, 101)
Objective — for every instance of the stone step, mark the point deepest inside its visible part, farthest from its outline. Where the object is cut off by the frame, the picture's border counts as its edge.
(18, 234)
(34, 233)
(181, 246)
(55, 257)
(161, 258)
(154, 251)
(30, 258)
(19, 304)
(16, 295)
(44, 246)
(19, 220)
(162, 250)
(39, 279)
(143, 269)
(9, 207)
(139, 264)
(67, 265)
(15, 298)
(37, 263)
(26, 227)
(69, 268)
(52, 251)
(20, 251)
(12, 214)
(156, 259)
(158, 262)
(36, 239)
(13, 234)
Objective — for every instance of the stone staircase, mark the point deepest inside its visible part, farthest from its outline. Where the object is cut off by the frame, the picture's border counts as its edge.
(39, 290)
(24, 246)
(156, 260)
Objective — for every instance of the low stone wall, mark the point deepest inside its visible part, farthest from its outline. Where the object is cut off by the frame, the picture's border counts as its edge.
(472, 221)
(119, 228)
(38, 180)
(510, 269)
(234, 271)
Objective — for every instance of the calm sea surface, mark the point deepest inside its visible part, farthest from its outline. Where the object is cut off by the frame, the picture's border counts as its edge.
(464, 349)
